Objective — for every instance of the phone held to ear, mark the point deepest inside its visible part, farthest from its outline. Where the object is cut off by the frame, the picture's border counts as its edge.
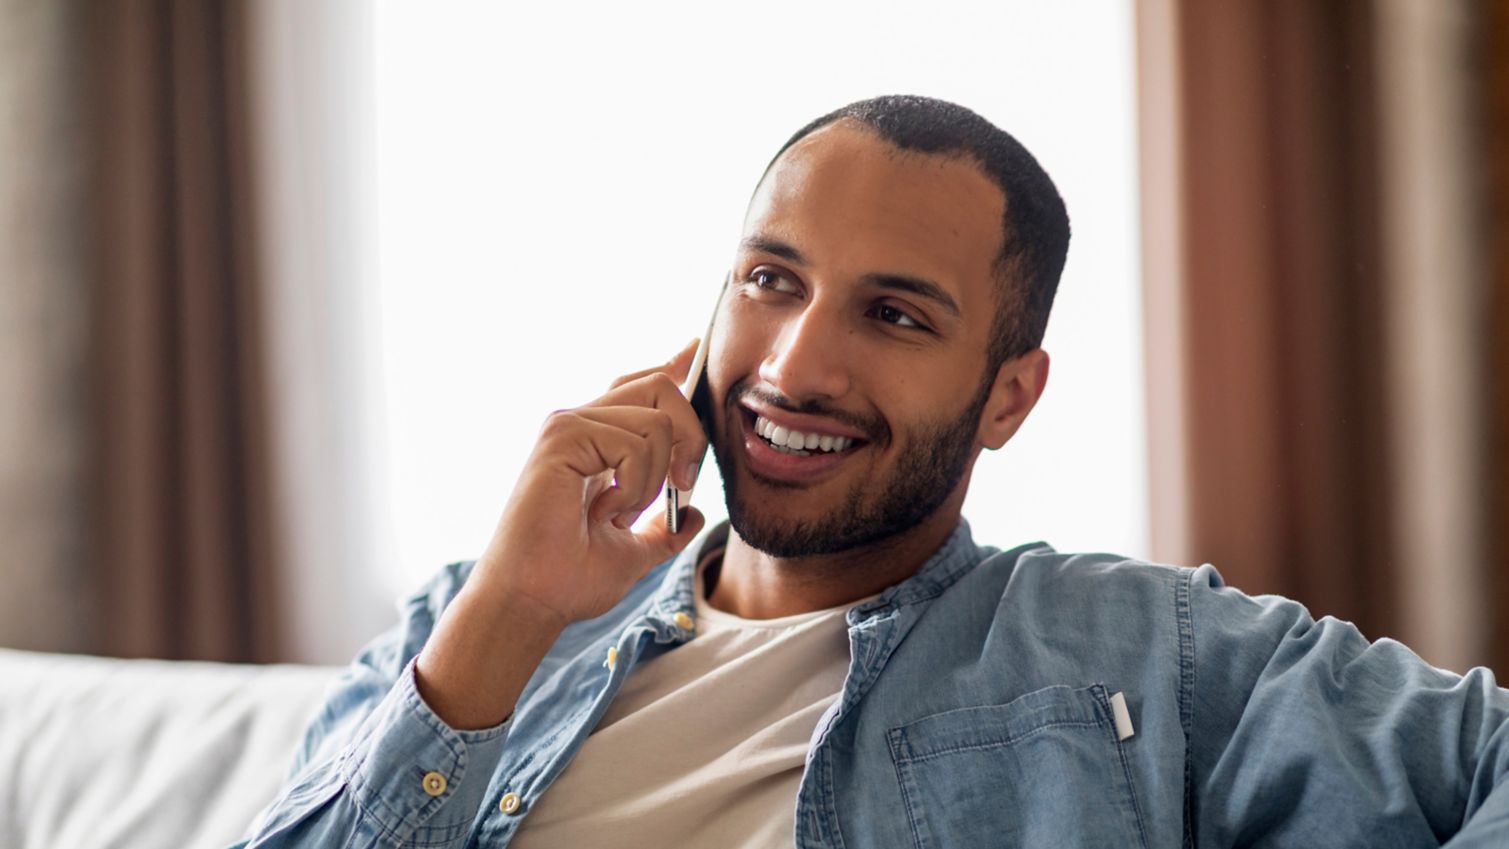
(695, 389)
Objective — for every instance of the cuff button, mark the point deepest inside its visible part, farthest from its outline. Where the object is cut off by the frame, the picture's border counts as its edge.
(509, 804)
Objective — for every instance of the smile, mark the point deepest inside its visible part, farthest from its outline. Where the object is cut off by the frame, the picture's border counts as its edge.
(790, 449)
(796, 442)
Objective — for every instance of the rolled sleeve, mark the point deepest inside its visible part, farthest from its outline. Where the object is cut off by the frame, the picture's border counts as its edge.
(377, 767)
(406, 778)
(417, 778)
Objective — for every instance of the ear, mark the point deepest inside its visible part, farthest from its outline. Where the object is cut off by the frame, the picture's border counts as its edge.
(1017, 386)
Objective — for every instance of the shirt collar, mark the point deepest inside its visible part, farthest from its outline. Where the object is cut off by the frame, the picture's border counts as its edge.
(677, 591)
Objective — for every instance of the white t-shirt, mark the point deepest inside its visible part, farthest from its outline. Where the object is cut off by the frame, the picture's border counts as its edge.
(705, 744)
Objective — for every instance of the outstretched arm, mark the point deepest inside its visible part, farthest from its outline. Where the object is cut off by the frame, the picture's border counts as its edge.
(1302, 733)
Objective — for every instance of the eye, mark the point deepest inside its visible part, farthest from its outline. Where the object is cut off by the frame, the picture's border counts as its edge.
(894, 315)
(771, 280)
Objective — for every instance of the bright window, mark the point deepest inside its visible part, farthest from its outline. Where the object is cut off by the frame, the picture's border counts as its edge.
(560, 189)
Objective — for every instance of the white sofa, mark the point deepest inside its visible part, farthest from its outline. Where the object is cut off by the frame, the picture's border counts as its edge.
(97, 753)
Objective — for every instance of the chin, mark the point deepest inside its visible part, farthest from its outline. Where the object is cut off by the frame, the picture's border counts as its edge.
(848, 526)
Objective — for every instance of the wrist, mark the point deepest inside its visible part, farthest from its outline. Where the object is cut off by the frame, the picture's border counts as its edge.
(508, 602)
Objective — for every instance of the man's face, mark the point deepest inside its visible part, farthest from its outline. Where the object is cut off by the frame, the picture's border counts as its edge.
(857, 319)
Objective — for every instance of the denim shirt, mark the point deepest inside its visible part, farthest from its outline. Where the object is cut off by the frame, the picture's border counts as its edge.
(980, 709)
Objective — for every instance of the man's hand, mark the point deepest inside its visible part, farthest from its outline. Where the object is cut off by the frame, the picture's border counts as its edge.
(565, 541)
(564, 549)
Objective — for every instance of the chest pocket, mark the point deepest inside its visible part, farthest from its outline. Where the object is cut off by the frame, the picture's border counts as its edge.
(1045, 769)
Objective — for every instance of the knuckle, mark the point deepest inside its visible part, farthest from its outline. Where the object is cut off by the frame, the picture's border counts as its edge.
(557, 422)
(631, 476)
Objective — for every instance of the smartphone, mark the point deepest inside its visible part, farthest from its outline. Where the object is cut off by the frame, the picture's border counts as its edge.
(695, 389)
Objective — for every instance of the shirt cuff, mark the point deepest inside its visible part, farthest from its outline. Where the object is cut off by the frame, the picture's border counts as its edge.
(418, 778)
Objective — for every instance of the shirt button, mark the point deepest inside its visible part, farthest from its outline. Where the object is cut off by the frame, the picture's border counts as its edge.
(612, 658)
(509, 804)
(684, 621)
(434, 783)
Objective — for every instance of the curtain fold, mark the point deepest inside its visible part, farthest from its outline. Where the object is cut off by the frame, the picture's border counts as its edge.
(1287, 465)
(42, 330)
(1315, 369)
(182, 543)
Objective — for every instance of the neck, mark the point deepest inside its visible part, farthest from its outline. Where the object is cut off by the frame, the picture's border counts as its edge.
(755, 585)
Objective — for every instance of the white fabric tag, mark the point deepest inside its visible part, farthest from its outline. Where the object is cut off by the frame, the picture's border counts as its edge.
(1123, 719)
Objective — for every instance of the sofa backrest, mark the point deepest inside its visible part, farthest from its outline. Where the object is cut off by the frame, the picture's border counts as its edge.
(99, 752)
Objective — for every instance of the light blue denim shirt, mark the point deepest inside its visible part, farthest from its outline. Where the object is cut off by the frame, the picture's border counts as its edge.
(980, 709)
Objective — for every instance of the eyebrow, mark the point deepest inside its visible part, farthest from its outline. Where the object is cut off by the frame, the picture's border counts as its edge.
(776, 247)
(919, 286)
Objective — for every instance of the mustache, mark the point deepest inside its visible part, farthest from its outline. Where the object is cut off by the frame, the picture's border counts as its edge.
(873, 427)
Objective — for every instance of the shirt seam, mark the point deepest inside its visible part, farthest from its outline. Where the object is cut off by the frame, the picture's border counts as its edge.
(1184, 616)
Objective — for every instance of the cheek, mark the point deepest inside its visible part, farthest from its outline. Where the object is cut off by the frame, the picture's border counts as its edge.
(737, 350)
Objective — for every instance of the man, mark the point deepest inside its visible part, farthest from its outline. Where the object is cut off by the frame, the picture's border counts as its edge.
(844, 666)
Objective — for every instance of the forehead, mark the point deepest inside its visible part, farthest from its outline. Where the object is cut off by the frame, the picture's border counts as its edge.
(850, 201)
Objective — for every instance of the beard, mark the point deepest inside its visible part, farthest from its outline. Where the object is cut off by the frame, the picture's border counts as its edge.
(934, 457)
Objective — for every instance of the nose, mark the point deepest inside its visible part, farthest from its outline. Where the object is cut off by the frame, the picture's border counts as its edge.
(809, 358)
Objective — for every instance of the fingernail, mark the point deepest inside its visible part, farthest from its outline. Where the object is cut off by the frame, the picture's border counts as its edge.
(689, 474)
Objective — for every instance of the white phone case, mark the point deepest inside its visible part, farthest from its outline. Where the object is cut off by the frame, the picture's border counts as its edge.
(673, 496)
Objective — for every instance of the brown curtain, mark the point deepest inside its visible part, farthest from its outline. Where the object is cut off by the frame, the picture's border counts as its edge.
(1283, 306)
(1280, 470)
(1275, 450)
(181, 541)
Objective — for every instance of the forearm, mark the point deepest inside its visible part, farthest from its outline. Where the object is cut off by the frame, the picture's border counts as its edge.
(410, 762)
(483, 651)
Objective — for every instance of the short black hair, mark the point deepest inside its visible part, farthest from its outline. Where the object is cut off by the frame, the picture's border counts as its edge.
(1035, 230)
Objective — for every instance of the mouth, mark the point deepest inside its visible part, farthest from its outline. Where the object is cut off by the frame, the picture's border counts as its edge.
(799, 443)
(788, 449)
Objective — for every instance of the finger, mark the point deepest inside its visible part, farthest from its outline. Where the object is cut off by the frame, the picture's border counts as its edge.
(688, 439)
(659, 543)
(589, 448)
(617, 503)
(641, 483)
(676, 367)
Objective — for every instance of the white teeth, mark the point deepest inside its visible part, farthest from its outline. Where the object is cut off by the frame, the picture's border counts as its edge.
(788, 440)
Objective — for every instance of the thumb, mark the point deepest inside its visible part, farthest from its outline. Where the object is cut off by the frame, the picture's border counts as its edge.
(680, 365)
(658, 541)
